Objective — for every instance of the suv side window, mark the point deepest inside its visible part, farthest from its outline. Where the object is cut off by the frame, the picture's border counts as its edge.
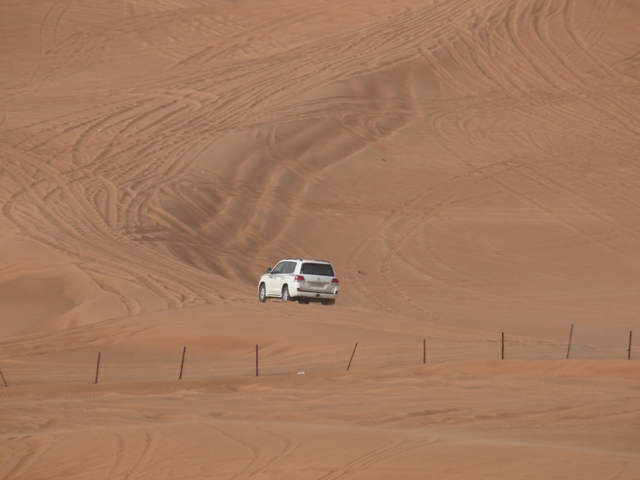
(278, 268)
(289, 267)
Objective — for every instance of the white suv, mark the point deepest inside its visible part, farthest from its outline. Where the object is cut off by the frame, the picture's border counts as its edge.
(302, 280)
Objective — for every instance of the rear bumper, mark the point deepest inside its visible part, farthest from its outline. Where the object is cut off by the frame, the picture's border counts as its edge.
(301, 293)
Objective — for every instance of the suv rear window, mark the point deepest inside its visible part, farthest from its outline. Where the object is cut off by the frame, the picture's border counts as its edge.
(317, 269)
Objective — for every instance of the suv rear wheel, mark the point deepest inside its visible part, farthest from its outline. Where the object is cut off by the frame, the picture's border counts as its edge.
(285, 294)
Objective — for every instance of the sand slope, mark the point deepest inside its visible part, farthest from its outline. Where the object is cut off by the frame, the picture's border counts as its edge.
(470, 168)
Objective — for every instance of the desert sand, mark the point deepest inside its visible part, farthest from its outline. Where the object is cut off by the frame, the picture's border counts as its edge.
(470, 168)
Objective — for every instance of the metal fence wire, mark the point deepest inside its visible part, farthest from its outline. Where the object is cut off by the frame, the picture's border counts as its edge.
(127, 363)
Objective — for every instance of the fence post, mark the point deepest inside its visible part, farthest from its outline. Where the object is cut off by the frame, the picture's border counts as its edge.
(256, 360)
(424, 351)
(3, 380)
(502, 345)
(184, 351)
(97, 368)
(570, 335)
(352, 354)
(629, 354)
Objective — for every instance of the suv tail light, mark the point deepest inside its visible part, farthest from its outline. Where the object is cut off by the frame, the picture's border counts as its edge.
(335, 280)
(298, 278)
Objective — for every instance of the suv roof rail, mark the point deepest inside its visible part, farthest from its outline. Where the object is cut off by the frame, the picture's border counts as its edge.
(307, 260)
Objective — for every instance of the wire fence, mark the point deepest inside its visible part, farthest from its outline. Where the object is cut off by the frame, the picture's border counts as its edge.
(127, 363)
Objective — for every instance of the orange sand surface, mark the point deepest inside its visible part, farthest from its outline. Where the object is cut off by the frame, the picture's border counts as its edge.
(469, 167)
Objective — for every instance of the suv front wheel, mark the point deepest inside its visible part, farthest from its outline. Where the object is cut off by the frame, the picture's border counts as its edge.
(262, 293)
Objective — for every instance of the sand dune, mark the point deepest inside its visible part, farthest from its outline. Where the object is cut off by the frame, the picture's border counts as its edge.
(470, 168)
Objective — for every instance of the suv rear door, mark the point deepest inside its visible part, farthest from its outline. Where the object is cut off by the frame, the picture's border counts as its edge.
(278, 276)
(318, 276)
